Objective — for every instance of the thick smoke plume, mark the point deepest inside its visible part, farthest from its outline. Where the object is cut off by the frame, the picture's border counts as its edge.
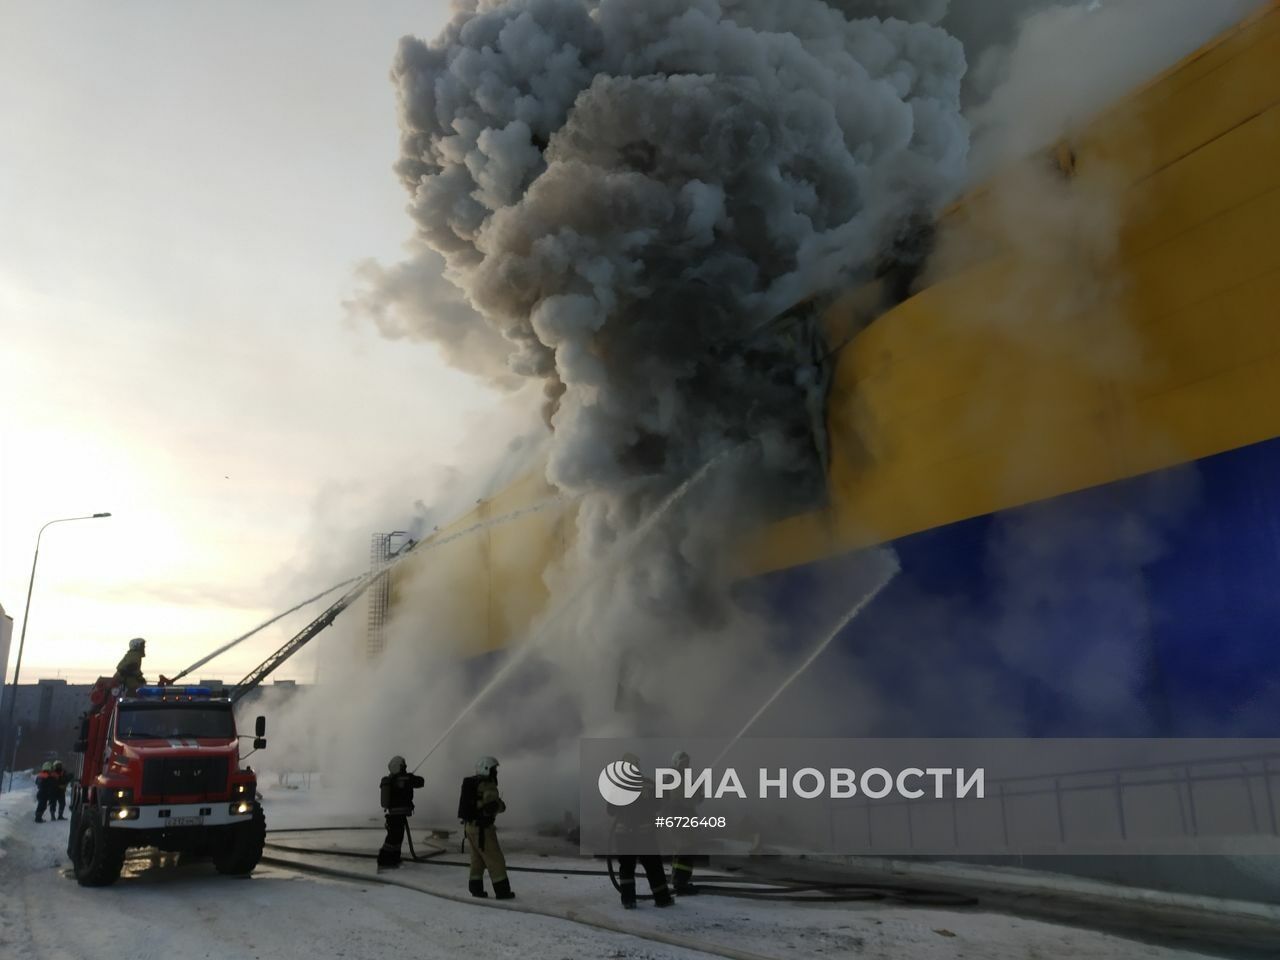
(615, 198)
(627, 192)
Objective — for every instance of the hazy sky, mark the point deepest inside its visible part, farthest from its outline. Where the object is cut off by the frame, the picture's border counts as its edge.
(184, 190)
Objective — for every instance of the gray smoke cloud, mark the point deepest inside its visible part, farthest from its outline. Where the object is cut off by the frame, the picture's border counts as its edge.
(413, 300)
(626, 193)
(598, 184)
(1052, 66)
(617, 199)
(915, 11)
(614, 199)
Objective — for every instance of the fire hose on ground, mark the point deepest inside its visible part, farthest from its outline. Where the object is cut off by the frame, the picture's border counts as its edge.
(744, 888)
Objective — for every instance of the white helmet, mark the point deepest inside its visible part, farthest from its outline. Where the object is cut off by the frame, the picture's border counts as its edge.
(136, 643)
(485, 766)
(397, 764)
(680, 760)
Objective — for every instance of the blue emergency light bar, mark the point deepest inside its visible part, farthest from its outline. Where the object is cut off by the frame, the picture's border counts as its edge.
(162, 692)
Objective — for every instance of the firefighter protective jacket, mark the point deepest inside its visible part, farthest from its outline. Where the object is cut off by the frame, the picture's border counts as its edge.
(397, 792)
(129, 670)
(488, 801)
(58, 780)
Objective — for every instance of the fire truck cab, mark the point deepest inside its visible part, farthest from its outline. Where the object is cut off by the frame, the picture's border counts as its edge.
(161, 767)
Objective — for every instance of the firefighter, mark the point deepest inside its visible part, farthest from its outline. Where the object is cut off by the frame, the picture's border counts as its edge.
(478, 805)
(636, 841)
(682, 863)
(129, 669)
(43, 789)
(58, 781)
(397, 799)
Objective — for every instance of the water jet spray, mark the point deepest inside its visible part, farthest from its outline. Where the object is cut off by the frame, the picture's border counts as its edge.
(849, 617)
(622, 550)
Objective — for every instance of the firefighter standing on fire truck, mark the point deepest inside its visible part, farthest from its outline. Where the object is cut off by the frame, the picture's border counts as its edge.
(397, 799)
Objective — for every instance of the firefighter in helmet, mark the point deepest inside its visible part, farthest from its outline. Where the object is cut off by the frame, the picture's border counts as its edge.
(635, 841)
(682, 863)
(129, 669)
(478, 805)
(396, 790)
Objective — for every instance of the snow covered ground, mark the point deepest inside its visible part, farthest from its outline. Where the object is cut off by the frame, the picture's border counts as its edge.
(188, 912)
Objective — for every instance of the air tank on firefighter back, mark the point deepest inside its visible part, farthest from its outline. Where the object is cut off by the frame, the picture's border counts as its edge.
(1069, 435)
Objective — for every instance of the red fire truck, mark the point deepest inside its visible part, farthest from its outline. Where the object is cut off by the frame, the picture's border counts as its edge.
(161, 767)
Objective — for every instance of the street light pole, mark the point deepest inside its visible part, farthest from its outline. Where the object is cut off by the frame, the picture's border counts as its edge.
(22, 638)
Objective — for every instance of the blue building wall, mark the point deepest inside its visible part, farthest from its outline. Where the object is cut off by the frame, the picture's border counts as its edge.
(1149, 606)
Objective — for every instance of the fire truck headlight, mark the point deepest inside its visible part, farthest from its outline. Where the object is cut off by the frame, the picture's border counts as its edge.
(126, 813)
(242, 806)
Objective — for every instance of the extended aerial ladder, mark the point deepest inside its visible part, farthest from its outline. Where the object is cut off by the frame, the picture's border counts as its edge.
(384, 561)
(376, 577)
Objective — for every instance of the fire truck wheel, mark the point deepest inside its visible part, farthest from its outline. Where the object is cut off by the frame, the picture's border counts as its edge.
(100, 855)
(243, 847)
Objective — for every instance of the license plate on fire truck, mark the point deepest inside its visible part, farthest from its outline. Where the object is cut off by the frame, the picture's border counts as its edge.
(184, 822)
